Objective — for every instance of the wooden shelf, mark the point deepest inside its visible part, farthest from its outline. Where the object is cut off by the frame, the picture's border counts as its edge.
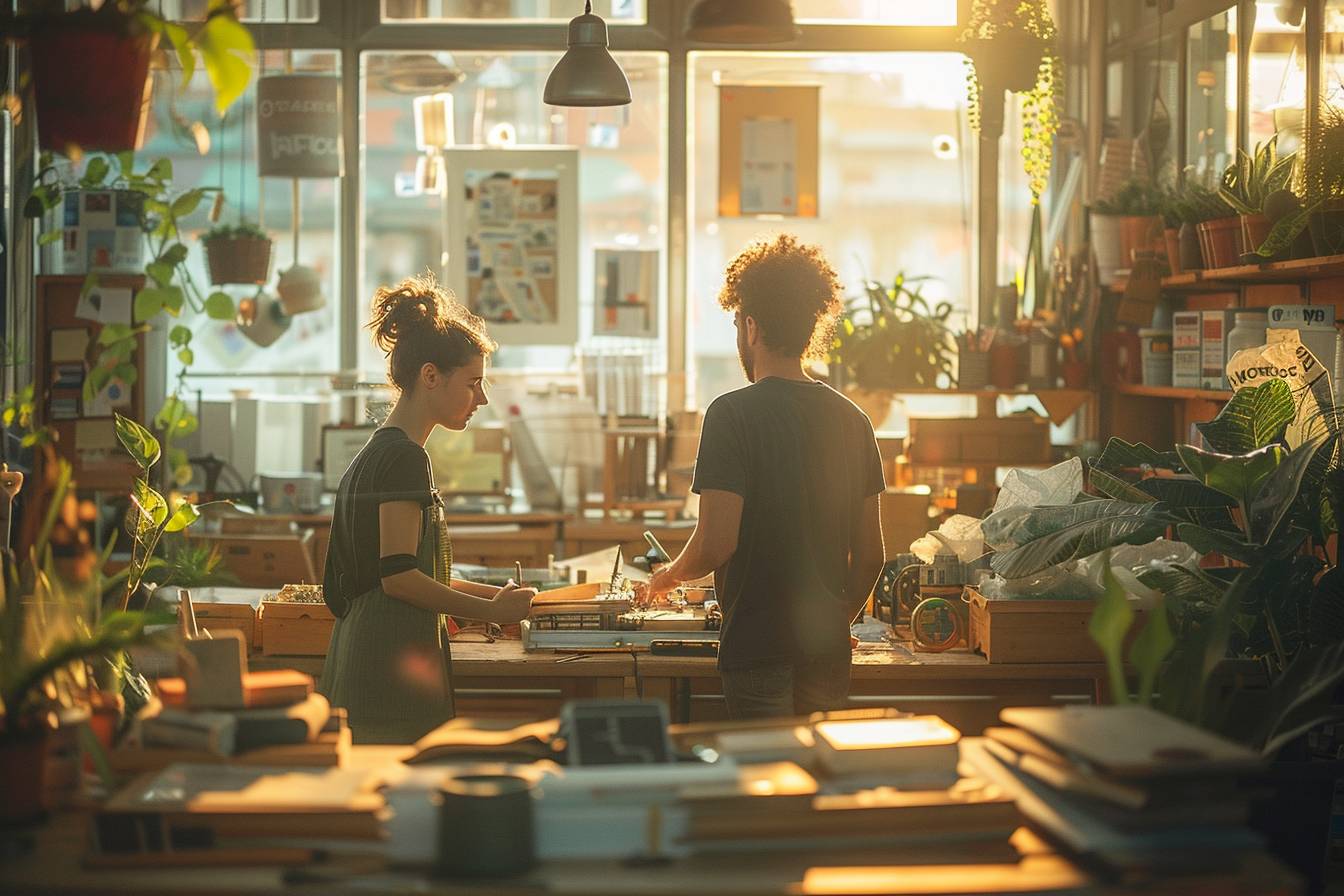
(1271, 272)
(1172, 392)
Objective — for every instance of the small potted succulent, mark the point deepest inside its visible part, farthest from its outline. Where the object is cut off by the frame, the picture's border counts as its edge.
(1246, 184)
(238, 253)
(1195, 204)
(1128, 222)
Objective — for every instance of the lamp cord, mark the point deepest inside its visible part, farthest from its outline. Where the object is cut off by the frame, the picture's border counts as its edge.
(587, 7)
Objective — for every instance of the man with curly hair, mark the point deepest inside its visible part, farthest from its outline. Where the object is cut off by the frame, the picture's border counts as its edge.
(788, 475)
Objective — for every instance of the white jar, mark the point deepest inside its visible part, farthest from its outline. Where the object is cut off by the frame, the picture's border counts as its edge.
(1248, 331)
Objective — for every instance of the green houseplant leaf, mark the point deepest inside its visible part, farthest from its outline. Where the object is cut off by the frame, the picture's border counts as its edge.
(1108, 626)
(1238, 476)
(139, 442)
(1253, 418)
(1151, 647)
(1047, 536)
(1278, 491)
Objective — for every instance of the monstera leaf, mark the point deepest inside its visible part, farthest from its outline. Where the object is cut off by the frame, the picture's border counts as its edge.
(1046, 536)
(1251, 419)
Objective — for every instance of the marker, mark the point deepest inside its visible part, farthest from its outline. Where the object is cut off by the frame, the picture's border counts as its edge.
(518, 569)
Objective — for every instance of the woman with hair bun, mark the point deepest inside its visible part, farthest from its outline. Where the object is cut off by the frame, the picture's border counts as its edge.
(388, 575)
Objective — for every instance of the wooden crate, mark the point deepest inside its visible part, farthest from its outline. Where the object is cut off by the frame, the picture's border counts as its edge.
(224, 617)
(290, 628)
(1036, 631)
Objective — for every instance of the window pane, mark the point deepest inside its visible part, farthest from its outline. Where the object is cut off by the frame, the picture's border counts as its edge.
(405, 12)
(876, 12)
(311, 342)
(622, 180)
(1278, 76)
(1212, 96)
(896, 182)
(252, 10)
(1157, 85)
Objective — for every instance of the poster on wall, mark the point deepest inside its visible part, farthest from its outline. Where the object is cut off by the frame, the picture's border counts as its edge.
(512, 231)
(769, 149)
(626, 284)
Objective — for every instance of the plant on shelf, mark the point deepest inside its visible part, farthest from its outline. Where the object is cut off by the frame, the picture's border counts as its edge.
(238, 253)
(169, 288)
(893, 338)
(1320, 184)
(51, 631)
(1259, 494)
(1136, 199)
(1248, 185)
(91, 67)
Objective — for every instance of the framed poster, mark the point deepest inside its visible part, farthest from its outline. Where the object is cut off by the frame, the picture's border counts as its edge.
(626, 282)
(512, 225)
(769, 150)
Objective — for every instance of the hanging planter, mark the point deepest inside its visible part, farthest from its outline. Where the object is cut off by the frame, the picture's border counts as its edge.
(1010, 45)
(91, 81)
(238, 254)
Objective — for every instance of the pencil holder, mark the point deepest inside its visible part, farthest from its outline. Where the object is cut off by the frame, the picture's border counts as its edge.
(972, 370)
(485, 826)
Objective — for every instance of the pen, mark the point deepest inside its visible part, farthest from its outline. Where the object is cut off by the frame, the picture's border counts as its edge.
(518, 569)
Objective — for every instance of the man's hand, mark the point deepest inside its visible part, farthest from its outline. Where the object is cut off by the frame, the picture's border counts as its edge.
(656, 589)
(512, 603)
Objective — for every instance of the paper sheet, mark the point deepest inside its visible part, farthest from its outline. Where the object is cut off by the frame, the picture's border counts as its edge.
(769, 185)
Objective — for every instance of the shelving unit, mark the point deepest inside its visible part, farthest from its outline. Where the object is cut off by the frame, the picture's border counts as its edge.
(1173, 393)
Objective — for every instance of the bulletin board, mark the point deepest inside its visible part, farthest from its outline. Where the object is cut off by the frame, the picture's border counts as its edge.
(769, 150)
(625, 282)
(512, 235)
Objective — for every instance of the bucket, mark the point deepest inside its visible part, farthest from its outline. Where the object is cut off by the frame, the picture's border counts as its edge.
(1155, 353)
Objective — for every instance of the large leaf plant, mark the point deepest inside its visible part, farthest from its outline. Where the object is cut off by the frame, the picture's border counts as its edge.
(894, 338)
(1250, 497)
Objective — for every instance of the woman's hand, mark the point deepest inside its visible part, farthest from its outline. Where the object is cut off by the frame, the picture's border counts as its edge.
(512, 603)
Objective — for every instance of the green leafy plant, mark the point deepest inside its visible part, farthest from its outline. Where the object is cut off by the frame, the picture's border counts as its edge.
(1319, 182)
(1010, 44)
(1138, 198)
(1195, 203)
(1251, 498)
(50, 628)
(150, 516)
(188, 564)
(169, 289)
(889, 338)
(1252, 177)
(243, 230)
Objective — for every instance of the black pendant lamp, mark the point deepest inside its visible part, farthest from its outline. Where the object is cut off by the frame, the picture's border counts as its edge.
(742, 22)
(587, 75)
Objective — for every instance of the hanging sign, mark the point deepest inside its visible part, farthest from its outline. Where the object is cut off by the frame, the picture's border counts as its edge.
(299, 126)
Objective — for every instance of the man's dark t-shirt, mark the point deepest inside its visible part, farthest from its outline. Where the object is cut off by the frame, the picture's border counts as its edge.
(804, 459)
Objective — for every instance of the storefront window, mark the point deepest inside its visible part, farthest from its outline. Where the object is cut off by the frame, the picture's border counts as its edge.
(276, 11)
(1278, 76)
(896, 182)
(1211, 96)
(876, 12)
(496, 105)
(1155, 107)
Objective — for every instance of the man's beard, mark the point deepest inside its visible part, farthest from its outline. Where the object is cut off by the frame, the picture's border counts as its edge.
(748, 368)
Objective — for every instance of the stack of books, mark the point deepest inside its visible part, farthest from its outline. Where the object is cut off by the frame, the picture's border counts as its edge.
(1126, 785)
(237, 815)
(284, 723)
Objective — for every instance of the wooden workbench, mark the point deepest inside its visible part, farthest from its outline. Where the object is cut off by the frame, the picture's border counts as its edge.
(503, 679)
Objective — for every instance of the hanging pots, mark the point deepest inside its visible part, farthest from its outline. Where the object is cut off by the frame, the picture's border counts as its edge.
(262, 319)
(300, 290)
(91, 85)
(238, 259)
(1011, 60)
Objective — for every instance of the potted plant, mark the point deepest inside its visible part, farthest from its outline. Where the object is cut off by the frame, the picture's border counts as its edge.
(50, 629)
(91, 68)
(889, 339)
(1320, 184)
(1170, 209)
(1129, 221)
(240, 253)
(1196, 204)
(1246, 184)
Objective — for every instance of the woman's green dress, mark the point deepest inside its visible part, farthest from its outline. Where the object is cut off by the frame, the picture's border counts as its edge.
(388, 663)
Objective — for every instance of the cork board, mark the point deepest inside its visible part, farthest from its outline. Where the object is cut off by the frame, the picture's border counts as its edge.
(769, 150)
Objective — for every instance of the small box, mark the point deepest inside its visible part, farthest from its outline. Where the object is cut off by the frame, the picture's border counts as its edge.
(217, 617)
(1213, 329)
(1010, 630)
(1185, 368)
(295, 628)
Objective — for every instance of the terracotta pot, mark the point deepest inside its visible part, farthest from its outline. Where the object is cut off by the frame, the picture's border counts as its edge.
(1171, 238)
(23, 762)
(1222, 242)
(92, 87)
(1139, 233)
(1005, 367)
(238, 260)
(104, 718)
(1192, 259)
(1074, 374)
(1254, 231)
(1105, 236)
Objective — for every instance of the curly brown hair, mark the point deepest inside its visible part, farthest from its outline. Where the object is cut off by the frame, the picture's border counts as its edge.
(418, 322)
(792, 292)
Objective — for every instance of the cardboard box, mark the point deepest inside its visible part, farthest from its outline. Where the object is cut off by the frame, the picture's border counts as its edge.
(1016, 439)
(1186, 355)
(1213, 329)
(291, 628)
(1036, 631)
